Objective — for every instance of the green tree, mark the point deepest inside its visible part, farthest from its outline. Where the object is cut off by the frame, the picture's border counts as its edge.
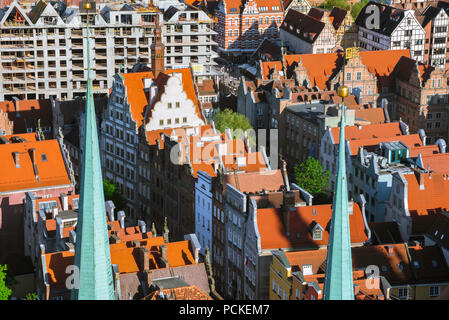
(111, 192)
(232, 120)
(31, 296)
(310, 176)
(5, 292)
(356, 8)
(329, 4)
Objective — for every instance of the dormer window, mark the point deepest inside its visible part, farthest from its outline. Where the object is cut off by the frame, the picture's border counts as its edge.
(317, 234)
(317, 231)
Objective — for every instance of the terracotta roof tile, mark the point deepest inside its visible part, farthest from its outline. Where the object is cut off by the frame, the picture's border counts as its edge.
(374, 115)
(272, 230)
(137, 98)
(433, 199)
(49, 162)
(255, 182)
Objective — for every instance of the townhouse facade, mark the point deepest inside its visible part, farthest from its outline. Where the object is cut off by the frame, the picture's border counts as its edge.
(242, 26)
(399, 30)
(423, 99)
(304, 34)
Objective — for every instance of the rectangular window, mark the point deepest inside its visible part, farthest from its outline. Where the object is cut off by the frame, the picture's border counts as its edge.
(434, 291)
(403, 293)
(348, 76)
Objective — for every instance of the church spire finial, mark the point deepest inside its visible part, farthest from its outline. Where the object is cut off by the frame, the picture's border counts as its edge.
(338, 283)
(92, 255)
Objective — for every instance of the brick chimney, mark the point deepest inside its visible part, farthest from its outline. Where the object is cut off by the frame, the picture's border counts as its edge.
(16, 159)
(420, 177)
(288, 204)
(32, 152)
(144, 259)
(164, 261)
(356, 288)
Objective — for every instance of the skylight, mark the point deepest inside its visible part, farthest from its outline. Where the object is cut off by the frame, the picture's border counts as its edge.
(44, 157)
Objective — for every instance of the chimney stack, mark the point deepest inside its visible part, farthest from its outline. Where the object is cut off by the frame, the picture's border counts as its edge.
(72, 236)
(65, 201)
(390, 250)
(121, 218)
(144, 256)
(164, 256)
(110, 209)
(32, 152)
(356, 289)
(54, 212)
(142, 225)
(285, 176)
(59, 228)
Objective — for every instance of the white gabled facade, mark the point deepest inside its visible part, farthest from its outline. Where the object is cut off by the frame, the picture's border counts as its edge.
(173, 109)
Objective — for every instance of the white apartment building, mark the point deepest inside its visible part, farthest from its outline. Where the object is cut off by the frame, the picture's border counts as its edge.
(43, 50)
(397, 30)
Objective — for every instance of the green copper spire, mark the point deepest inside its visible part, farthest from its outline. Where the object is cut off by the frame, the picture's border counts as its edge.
(338, 283)
(92, 256)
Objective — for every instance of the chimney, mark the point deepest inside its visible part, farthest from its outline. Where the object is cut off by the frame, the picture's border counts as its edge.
(54, 212)
(420, 177)
(285, 176)
(59, 228)
(164, 256)
(16, 159)
(70, 246)
(356, 288)
(121, 218)
(32, 152)
(390, 250)
(288, 204)
(142, 225)
(72, 236)
(65, 202)
(110, 209)
(144, 257)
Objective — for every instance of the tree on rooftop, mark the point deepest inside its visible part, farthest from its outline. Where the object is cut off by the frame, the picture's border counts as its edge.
(111, 192)
(311, 176)
(235, 121)
(329, 4)
(5, 292)
(356, 8)
(232, 120)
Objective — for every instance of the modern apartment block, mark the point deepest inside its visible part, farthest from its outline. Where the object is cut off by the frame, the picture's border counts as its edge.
(43, 50)
(398, 29)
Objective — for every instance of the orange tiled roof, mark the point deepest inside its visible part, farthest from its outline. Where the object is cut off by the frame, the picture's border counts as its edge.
(371, 131)
(321, 67)
(374, 115)
(254, 182)
(49, 163)
(137, 98)
(272, 230)
(432, 199)
(423, 150)
(409, 140)
(269, 66)
(438, 163)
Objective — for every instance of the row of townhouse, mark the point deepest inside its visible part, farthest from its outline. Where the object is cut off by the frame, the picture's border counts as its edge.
(422, 30)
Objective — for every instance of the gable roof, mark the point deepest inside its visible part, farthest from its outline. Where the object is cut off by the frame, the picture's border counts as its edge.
(371, 131)
(268, 67)
(373, 115)
(433, 199)
(138, 99)
(302, 26)
(273, 234)
(50, 165)
(26, 113)
(338, 15)
(253, 182)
